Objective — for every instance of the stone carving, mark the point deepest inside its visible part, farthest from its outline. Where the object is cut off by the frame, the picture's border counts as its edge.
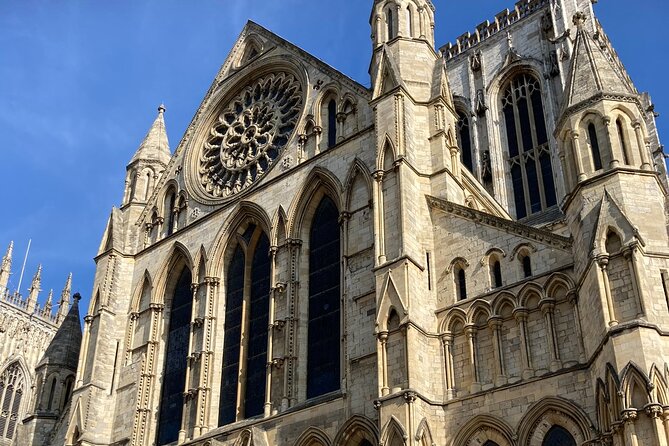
(480, 106)
(249, 134)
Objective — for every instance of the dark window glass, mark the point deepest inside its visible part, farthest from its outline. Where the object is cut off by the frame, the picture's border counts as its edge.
(525, 126)
(511, 133)
(256, 365)
(234, 298)
(518, 191)
(533, 186)
(547, 177)
(365, 443)
(490, 443)
(332, 123)
(623, 144)
(527, 266)
(389, 22)
(539, 120)
(170, 214)
(594, 147)
(323, 344)
(558, 436)
(462, 284)
(52, 392)
(174, 376)
(465, 141)
(497, 273)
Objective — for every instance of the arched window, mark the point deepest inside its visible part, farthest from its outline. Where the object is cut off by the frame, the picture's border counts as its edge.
(323, 340)
(527, 140)
(409, 13)
(12, 388)
(496, 272)
(613, 243)
(390, 24)
(174, 375)
(465, 141)
(594, 147)
(170, 212)
(490, 443)
(527, 266)
(558, 436)
(623, 141)
(246, 311)
(460, 283)
(52, 394)
(332, 123)
(69, 382)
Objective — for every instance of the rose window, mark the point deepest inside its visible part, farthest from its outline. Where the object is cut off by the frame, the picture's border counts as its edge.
(249, 134)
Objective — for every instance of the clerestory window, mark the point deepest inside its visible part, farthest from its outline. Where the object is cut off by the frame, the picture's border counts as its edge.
(527, 141)
(464, 134)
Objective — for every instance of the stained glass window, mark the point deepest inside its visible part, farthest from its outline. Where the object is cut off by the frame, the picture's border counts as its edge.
(323, 344)
(174, 376)
(12, 387)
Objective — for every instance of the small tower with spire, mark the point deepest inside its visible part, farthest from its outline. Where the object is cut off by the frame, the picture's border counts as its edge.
(34, 290)
(5, 270)
(55, 377)
(148, 163)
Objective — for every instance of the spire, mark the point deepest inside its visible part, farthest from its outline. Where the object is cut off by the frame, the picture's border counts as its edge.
(33, 291)
(155, 146)
(49, 303)
(5, 269)
(593, 72)
(64, 302)
(63, 351)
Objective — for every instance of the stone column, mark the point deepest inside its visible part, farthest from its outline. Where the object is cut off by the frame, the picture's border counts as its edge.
(495, 324)
(638, 132)
(382, 340)
(665, 420)
(521, 318)
(470, 332)
(630, 254)
(134, 317)
(276, 289)
(613, 152)
(576, 146)
(318, 131)
(455, 161)
(548, 310)
(629, 418)
(447, 344)
(655, 412)
(301, 144)
(379, 221)
(341, 117)
(206, 376)
(603, 262)
(566, 170)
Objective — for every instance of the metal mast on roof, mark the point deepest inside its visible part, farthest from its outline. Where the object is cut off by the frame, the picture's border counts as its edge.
(23, 268)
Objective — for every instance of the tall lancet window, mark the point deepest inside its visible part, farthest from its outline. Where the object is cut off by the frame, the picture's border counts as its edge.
(332, 123)
(390, 24)
(323, 340)
(464, 135)
(527, 141)
(594, 147)
(174, 375)
(246, 311)
(12, 388)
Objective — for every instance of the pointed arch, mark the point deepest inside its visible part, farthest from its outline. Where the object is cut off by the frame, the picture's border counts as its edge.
(477, 308)
(179, 256)
(484, 428)
(635, 386)
(424, 434)
(320, 182)
(14, 395)
(659, 392)
(390, 299)
(201, 261)
(355, 430)
(253, 47)
(556, 281)
(602, 406)
(74, 430)
(549, 412)
(502, 300)
(313, 436)
(279, 233)
(357, 171)
(244, 212)
(613, 387)
(387, 155)
(393, 433)
(529, 290)
(455, 316)
(142, 290)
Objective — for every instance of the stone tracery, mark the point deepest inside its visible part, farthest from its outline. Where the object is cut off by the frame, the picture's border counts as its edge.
(249, 134)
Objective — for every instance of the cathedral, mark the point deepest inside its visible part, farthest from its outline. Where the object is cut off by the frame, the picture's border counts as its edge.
(473, 251)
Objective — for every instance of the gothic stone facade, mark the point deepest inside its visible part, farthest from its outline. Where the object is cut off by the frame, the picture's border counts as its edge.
(473, 251)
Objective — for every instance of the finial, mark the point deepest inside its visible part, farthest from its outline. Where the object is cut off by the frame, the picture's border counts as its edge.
(579, 19)
(77, 297)
(161, 108)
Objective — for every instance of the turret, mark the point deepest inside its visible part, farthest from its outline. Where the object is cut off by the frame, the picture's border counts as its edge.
(55, 375)
(148, 163)
(33, 291)
(5, 269)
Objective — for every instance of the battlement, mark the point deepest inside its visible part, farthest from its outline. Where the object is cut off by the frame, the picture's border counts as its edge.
(487, 29)
(17, 301)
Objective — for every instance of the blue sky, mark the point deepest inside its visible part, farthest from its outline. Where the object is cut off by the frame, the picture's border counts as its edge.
(80, 82)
